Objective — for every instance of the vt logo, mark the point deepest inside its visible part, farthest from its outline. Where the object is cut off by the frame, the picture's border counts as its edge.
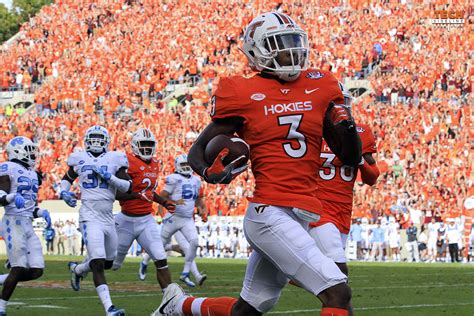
(259, 209)
(285, 91)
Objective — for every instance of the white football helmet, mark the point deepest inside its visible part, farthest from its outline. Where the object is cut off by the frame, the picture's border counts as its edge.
(97, 139)
(181, 165)
(22, 149)
(274, 43)
(143, 144)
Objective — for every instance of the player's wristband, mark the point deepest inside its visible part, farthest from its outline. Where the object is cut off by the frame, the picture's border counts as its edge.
(120, 184)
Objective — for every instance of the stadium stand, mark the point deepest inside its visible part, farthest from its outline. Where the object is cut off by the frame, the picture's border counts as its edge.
(114, 62)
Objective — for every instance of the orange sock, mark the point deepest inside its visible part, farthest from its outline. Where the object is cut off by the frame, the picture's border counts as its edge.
(333, 311)
(219, 306)
(187, 306)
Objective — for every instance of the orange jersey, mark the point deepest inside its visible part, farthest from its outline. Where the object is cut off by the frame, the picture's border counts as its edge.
(144, 177)
(336, 182)
(283, 124)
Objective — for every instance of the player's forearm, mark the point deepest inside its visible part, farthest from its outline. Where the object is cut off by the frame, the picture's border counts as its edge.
(369, 173)
(159, 199)
(196, 158)
(351, 152)
(65, 185)
(125, 196)
(121, 185)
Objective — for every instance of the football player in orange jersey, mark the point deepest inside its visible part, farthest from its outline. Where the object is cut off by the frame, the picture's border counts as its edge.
(136, 219)
(282, 113)
(335, 191)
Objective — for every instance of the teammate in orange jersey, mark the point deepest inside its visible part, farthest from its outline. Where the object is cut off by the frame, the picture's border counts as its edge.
(136, 219)
(335, 191)
(282, 113)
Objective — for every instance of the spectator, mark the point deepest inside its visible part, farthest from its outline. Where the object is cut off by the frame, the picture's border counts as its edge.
(49, 235)
(355, 235)
(412, 244)
(378, 239)
(453, 237)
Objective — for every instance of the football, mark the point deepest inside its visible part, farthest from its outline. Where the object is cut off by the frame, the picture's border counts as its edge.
(237, 147)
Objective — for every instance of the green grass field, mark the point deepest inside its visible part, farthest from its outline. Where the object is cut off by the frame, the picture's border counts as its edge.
(378, 289)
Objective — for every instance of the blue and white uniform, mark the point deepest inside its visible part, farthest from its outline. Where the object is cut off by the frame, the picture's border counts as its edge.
(97, 197)
(23, 246)
(187, 189)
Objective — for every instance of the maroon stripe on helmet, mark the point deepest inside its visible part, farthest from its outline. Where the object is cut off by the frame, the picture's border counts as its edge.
(285, 18)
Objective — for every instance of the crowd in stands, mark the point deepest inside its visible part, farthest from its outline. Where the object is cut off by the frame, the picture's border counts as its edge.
(110, 63)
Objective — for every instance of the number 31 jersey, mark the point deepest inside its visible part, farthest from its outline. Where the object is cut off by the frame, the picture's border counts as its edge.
(283, 124)
(24, 181)
(97, 196)
(184, 188)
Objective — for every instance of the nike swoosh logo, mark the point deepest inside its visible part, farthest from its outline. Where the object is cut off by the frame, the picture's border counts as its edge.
(162, 308)
(310, 91)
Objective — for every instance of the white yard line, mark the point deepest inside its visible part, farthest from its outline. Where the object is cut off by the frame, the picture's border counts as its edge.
(299, 311)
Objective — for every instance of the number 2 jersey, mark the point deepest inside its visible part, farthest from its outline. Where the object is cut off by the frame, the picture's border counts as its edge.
(283, 124)
(144, 178)
(97, 196)
(187, 189)
(25, 181)
(336, 182)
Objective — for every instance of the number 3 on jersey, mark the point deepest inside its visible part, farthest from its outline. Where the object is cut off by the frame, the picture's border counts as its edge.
(294, 121)
(328, 169)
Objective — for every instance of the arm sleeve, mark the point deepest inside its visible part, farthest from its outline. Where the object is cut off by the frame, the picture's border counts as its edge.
(225, 102)
(367, 138)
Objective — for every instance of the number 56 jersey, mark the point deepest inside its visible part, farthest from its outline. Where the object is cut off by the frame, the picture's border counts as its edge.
(283, 124)
(97, 196)
(186, 189)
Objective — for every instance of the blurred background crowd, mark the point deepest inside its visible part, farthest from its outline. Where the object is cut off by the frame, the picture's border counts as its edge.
(117, 63)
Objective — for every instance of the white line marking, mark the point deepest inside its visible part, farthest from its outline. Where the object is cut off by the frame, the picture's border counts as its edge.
(376, 308)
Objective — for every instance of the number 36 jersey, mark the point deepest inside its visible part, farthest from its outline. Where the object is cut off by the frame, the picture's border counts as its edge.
(283, 124)
(24, 181)
(97, 196)
(187, 189)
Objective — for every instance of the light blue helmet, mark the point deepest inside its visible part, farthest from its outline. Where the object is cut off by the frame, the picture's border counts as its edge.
(22, 149)
(97, 139)
(181, 165)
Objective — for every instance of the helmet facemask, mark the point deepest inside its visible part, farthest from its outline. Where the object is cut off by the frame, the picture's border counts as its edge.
(24, 150)
(283, 53)
(182, 166)
(145, 149)
(96, 143)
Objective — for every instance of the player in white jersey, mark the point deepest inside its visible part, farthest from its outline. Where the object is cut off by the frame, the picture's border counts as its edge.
(184, 187)
(101, 174)
(432, 239)
(19, 183)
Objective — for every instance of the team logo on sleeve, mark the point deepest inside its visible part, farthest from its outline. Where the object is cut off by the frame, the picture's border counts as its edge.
(258, 96)
(360, 129)
(314, 75)
(81, 162)
(213, 105)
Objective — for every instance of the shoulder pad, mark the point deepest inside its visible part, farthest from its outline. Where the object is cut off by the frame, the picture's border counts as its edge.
(76, 158)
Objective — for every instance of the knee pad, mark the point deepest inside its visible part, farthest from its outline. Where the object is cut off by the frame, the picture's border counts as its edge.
(108, 264)
(35, 273)
(97, 264)
(161, 264)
